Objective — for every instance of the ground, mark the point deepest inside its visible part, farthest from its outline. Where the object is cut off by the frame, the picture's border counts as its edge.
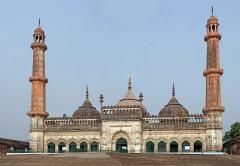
(116, 159)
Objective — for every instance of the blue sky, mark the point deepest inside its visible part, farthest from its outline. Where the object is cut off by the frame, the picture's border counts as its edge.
(102, 43)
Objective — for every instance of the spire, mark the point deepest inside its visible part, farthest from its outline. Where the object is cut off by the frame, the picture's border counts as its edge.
(129, 84)
(39, 22)
(173, 90)
(212, 10)
(87, 94)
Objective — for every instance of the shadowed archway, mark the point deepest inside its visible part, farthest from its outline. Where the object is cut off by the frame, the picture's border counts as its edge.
(121, 145)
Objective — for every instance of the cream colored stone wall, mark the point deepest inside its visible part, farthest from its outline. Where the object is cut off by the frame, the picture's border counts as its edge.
(36, 134)
(179, 136)
(68, 137)
(113, 130)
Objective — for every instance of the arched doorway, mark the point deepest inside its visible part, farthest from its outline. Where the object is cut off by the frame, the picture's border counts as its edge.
(162, 146)
(150, 147)
(197, 146)
(173, 146)
(72, 147)
(94, 146)
(61, 147)
(51, 147)
(121, 145)
(83, 147)
(185, 146)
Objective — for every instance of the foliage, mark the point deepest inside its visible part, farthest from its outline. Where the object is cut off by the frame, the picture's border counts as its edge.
(234, 131)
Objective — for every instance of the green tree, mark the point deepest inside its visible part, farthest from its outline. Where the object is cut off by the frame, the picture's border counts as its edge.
(234, 131)
(227, 136)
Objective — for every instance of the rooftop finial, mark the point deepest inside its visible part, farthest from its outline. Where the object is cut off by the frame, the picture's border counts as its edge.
(87, 95)
(212, 10)
(173, 90)
(39, 22)
(129, 84)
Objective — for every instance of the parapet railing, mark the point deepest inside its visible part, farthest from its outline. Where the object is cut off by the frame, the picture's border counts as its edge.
(187, 122)
(59, 124)
(120, 113)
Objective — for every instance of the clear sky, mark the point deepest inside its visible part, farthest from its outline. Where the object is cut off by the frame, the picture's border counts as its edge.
(102, 43)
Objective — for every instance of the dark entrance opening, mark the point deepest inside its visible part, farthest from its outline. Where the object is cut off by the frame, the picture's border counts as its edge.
(162, 146)
(83, 147)
(150, 147)
(61, 147)
(72, 147)
(94, 146)
(197, 146)
(186, 146)
(51, 147)
(121, 145)
(173, 146)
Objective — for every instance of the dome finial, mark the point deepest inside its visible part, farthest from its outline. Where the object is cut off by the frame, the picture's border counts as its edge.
(129, 84)
(87, 94)
(212, 10)
(173, 90)
(39, 22)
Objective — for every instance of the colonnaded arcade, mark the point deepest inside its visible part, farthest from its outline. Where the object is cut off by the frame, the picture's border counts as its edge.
(127, 126)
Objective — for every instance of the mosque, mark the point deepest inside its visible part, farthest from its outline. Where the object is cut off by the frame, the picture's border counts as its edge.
(127, 126)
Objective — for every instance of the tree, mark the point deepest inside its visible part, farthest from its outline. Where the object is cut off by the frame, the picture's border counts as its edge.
(227, 136)
(234, 131)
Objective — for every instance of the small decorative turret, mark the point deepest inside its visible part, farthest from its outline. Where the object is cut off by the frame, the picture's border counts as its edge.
(173, 90)
(129, 84)
(87, 94)
(101, 101)
(141, 97)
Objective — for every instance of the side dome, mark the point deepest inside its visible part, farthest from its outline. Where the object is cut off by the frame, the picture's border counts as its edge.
(174, 108)
(86, 111)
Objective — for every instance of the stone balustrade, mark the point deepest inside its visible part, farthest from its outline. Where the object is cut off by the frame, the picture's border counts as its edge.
(61, 124)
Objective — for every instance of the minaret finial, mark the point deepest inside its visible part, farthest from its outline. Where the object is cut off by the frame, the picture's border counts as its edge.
(129, 84)
(173, 90)
(212, 10)
(87, 94)
(39, 22)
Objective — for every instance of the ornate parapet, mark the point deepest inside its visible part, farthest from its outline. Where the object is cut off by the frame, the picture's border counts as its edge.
(70, 124)
(194, 121)
(121, 113)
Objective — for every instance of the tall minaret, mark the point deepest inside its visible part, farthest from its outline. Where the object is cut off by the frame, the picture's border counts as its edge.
(38, 112)
(213, 107)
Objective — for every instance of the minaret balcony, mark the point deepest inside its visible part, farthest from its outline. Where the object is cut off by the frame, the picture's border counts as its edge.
(212, 35)
(34, 113)
(42, 79)
(213, 71)
(213, 109)
(40, 45)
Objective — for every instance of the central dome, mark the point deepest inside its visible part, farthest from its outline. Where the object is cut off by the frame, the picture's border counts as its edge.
(130, 100)
(173, 108)
(86, 111)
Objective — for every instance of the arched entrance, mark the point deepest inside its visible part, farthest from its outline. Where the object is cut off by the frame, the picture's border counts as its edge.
(186, 146)
(83, 147)
(94, 146)
(150, 147)
(121, 145)
(162, 146)
(197, 146)
(72, 147)
(51, 147)
(173, 146)
(61, 147)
